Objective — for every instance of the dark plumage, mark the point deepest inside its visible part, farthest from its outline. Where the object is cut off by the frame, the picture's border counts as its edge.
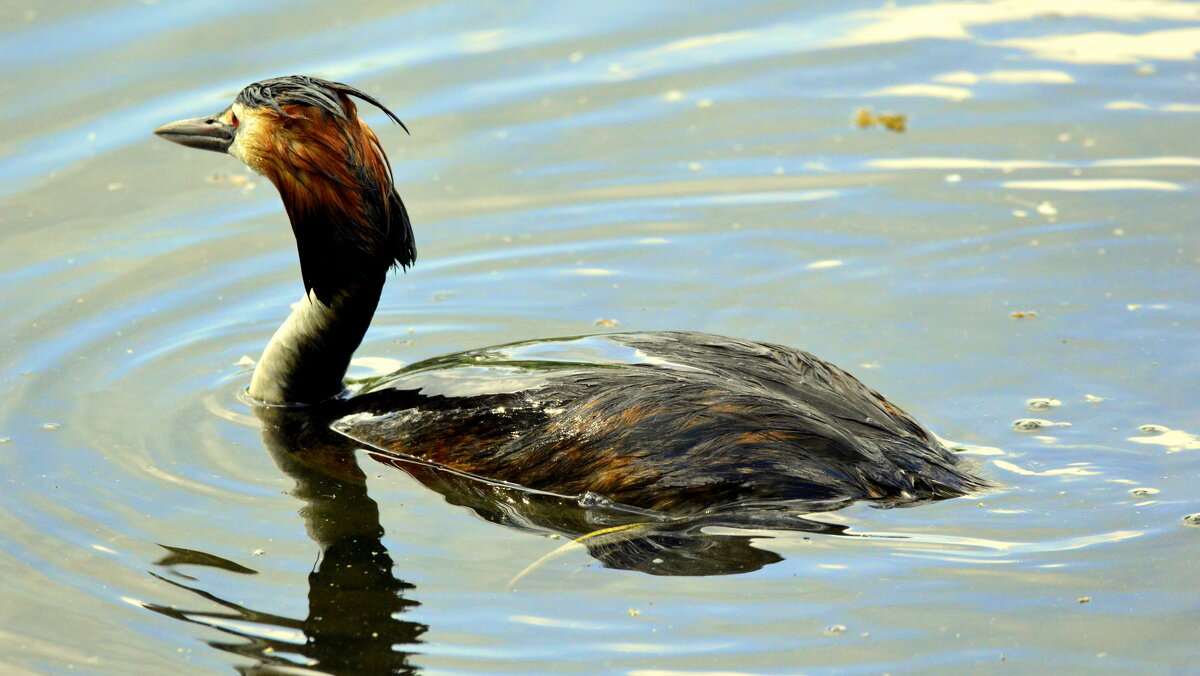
(702, 420)
(686, 422)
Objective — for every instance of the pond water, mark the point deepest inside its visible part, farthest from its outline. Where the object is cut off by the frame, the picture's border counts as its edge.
(575, 166)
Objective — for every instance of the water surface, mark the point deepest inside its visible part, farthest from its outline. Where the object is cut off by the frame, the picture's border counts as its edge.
(1032, 234)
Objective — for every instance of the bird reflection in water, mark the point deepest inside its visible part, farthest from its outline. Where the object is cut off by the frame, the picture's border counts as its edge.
(356, 604)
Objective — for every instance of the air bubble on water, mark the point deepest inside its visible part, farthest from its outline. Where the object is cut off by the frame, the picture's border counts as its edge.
(1042, 403)
(1035, 424)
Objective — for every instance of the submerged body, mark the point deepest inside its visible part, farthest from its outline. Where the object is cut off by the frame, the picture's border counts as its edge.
(679, 422)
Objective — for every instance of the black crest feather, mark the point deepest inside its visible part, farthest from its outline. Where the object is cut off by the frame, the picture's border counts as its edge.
(305, 90)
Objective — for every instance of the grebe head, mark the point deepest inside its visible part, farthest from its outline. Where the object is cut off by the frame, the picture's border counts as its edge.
(304, 135)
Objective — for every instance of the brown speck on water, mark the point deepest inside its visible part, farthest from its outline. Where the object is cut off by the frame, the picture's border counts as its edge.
(1085, 599)
(897, 123)
(607, 323)
(1024, 314)
(864, 118)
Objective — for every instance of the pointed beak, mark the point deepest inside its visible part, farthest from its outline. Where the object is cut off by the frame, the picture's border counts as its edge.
(205, 133)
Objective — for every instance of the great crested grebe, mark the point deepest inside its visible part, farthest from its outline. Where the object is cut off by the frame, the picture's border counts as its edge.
(669, 421)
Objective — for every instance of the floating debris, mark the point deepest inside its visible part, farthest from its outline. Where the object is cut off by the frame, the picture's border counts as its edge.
(607, 323)
(865, 118)
(1036, 424)
(1092, 399)
(51, 426)
(1192, 520)
(1023, 314)
(896, 123)
(1042, 403)
(1085, 599)
(634, 612)
(835, 630)
(1143, 492)
(246, 362)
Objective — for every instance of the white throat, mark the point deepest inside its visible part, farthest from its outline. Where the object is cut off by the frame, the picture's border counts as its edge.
(307, 356)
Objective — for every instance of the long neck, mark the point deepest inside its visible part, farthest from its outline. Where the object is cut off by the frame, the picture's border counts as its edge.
(308, 356)
(350, 226)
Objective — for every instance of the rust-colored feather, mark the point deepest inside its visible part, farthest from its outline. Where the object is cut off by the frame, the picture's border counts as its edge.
(336, 184)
